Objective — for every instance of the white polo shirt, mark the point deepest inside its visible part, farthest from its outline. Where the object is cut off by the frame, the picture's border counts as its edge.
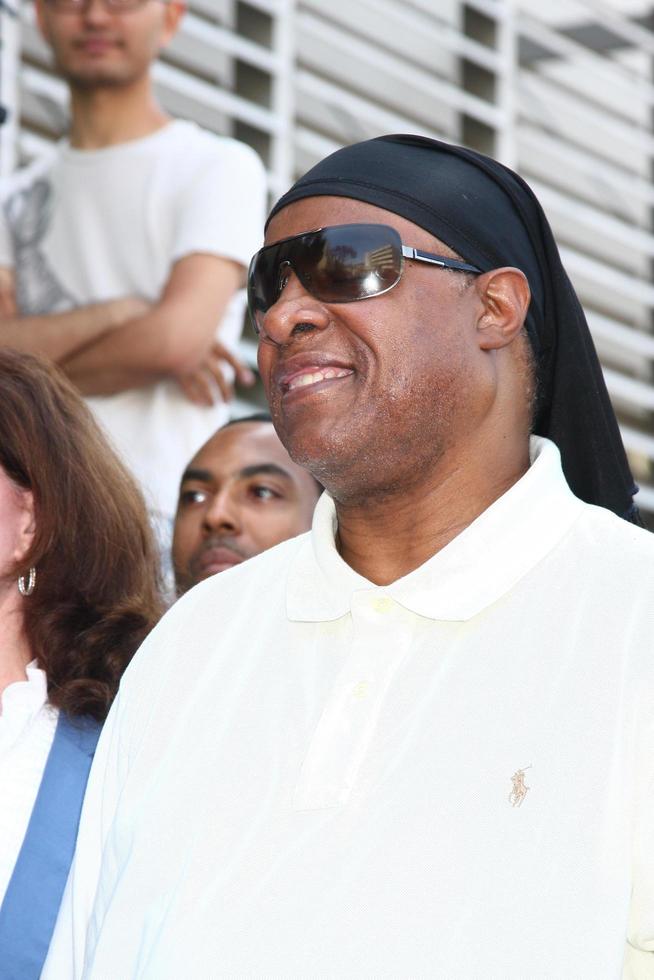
(306, 775)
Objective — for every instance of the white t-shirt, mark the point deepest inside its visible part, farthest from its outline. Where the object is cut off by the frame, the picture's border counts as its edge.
(27, 729)
(307, 775)
(82, 226)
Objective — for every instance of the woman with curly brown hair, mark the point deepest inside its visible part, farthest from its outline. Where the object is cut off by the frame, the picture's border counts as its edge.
(79, 590)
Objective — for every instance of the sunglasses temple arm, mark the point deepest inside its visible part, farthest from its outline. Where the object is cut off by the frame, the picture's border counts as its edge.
(445, 263)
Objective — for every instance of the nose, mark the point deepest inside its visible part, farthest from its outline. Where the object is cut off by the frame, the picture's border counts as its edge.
(295, 312)
(96, 12)
(222, 514)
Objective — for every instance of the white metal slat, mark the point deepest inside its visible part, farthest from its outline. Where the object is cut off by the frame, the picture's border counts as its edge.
(9, 91)
(629, 391)
(220, 39)
(632, 85)
(208, 95)
(625, 27)
(400, 20)
(619, 282)
(616, 180)
(599, 222)
(541, 98)
(400, 72)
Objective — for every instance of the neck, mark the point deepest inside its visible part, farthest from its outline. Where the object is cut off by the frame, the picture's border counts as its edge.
(386, 536)
(109, 116)
(15, 653)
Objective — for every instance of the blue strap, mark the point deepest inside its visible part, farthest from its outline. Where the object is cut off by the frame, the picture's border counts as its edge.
(31, 903)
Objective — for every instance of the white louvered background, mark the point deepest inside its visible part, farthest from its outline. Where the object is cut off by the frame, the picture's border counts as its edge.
(564, 92)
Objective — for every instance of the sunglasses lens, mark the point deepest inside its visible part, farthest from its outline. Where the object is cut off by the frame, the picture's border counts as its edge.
(263, 283)
(350, 262)
(339, 264)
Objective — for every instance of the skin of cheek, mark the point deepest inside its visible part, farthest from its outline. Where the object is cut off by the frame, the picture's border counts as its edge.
(186, 534)
(448, 384)
(259, 531)
(264, 526)
(268, 531)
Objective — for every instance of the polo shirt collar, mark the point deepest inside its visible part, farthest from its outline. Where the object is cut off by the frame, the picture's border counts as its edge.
(478, 567)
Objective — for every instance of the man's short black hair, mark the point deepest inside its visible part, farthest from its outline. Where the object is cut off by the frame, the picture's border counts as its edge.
(261, 417)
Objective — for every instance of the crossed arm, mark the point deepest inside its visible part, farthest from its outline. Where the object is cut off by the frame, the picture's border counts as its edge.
(126, 343)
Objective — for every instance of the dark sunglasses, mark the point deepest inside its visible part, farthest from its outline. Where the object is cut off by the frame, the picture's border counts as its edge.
(339, 264)
(115, 6)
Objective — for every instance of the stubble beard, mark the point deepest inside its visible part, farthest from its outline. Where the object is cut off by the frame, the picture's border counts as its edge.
(87, 81)
(382, 453)
(359, 466)
(85, 84)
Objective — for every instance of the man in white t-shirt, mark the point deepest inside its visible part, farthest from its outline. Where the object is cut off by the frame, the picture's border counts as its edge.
(124, 248)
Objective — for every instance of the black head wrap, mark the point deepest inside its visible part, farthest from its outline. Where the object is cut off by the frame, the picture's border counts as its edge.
(491, 218)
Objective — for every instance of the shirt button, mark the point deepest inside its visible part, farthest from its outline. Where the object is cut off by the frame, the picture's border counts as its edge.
(360, 690)
(382, 604)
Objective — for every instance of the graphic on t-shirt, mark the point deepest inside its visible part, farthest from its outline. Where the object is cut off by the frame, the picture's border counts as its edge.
(38, 289)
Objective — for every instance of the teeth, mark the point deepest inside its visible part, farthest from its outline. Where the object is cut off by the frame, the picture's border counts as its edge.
(313, 377)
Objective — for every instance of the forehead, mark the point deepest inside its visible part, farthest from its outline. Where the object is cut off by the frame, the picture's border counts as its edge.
(241, 445)
(310, 213)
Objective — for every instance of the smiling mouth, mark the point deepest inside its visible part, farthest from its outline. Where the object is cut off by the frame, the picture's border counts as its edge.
(308, 378)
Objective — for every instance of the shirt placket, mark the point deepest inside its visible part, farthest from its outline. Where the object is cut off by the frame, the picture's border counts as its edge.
(348, 724)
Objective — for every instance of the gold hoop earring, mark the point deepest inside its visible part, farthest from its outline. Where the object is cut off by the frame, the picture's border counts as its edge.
(27, 589)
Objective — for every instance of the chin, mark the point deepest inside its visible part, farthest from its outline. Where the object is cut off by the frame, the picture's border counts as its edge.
(309, 450)
(91, 81)
(336, 469)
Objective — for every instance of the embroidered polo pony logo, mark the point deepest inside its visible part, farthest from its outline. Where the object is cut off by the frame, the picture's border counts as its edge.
(519, 789)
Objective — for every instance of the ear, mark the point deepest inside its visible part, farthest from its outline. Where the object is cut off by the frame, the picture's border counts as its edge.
(173, 13)
(26, 525)
(505, 296)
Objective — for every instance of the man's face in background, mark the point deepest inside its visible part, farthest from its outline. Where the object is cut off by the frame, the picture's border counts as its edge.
(95, 46)
(240, 495)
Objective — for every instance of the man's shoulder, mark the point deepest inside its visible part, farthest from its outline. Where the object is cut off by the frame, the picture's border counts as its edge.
(197, 147)
(608, 548)
(240, 589)
(210, 617)
(607, 529)
(29, 174)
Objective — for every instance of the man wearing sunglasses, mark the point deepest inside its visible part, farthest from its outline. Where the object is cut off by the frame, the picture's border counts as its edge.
(124, 249)
(418, 741)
